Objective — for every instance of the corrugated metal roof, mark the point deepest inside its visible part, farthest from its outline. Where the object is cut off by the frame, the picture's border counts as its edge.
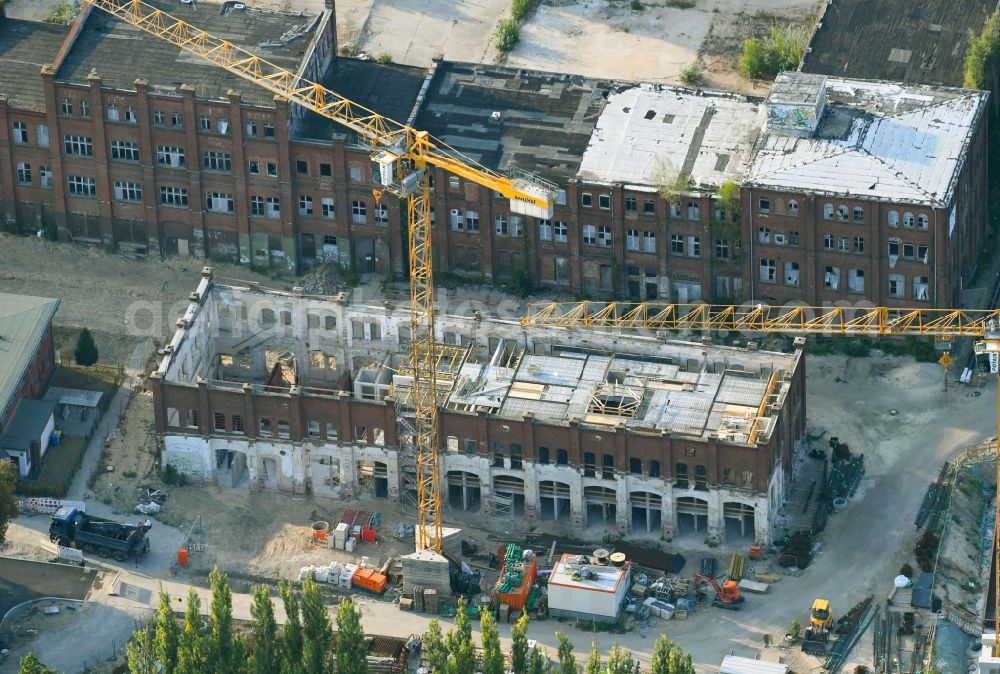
(23, 322)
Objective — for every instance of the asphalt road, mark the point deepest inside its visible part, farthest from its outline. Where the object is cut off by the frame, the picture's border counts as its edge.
(22, 580)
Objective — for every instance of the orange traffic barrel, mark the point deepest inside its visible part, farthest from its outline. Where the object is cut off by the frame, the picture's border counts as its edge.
(182, 556)
(320, 530)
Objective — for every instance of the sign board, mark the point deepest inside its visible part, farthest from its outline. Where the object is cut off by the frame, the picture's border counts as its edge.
(942, 345)
(71, 554)
(994, 362)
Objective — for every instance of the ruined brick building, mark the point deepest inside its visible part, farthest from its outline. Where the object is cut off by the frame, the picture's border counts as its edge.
(880, 198)
(271, 390)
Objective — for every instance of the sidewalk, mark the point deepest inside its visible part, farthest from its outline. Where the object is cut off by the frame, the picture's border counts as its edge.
(110, 421)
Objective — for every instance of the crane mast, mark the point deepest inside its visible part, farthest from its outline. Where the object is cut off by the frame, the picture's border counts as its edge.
(402, 156)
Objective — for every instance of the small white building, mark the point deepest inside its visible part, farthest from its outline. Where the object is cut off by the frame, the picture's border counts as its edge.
(734, 664)
(584, 590)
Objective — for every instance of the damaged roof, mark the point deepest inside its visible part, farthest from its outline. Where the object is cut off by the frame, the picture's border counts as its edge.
(389, 89)
(647, 134)
(121, 53)
(25, 46)
(508, 118)
(875, 140)
(901, 40)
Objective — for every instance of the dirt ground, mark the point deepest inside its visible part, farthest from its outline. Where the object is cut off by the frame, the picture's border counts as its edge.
(609, 39)
(107, 293)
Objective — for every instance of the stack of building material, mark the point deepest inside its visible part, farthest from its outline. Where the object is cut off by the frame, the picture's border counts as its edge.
(431, 600)
(451, 541)
(418, 599)
(426, 569)
(347, 575)
(736, 565)
(339, 538)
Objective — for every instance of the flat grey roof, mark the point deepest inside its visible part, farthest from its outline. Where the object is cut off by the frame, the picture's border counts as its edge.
(545, 120)
(918, 42)
(876, 140)
(649, 133)
(73, 396)
(25, 46)
(27, 424)
(121, 53)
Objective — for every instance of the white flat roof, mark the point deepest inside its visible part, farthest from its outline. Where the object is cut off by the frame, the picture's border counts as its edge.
(594, 578)
(649, 132)
(73, 396)
(734, 664)
(876, 140)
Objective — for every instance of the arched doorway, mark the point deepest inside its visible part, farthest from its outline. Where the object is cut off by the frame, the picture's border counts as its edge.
(739, 520)
(464, 490)
(508, 486)
(692, 515)
(553, 500)
(601, 504)
(647, 510)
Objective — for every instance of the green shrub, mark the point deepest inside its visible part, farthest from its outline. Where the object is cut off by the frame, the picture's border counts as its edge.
(982, 48)
(173, 477)
(636, 6)
(692, 74)
(507, 35)
(781, 50)
(384, 58)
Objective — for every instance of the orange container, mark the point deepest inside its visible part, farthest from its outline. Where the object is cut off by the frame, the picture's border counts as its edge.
(519, 597)
(369, 580)
(320, 530)
(182, 556)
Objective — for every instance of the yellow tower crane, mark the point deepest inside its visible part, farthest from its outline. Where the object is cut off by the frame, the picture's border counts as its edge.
(401, 156)
(942, 324)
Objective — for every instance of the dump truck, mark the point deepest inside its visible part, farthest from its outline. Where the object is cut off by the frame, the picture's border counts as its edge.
(72, 528)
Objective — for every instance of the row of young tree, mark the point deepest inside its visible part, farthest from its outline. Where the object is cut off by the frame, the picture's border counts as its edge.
(307, 643)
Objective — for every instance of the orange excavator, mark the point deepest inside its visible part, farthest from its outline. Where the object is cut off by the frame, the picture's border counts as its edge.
(727, 596)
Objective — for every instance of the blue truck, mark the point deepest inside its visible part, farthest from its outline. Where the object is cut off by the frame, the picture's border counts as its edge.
(72, 528)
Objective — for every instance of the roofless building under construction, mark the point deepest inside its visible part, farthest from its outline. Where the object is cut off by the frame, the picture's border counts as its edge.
(273, 390)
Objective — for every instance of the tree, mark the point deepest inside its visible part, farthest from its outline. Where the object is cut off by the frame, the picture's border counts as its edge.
(673, 186)
(434, 649)
(492, 653)
(594, 660)
(32, 665)
(519, 645)
(680, 662)
(86, 353)
(459, 644)
(8, 504)
(620, 661)
(291, 637)
(317, 631)
(224, 647)
(193, 655)
(538, 662)
(265, 658)
(141, 651)
(567, 661)
(167, 635)
(982, 49)
(351, 645)
(662, 650)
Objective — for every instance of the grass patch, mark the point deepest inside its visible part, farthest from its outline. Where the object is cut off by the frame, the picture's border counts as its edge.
(58, 468)
(681, 4)
(385, 58)
(64, 12)
(507, 35)
(782, 49)
(520, 10)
